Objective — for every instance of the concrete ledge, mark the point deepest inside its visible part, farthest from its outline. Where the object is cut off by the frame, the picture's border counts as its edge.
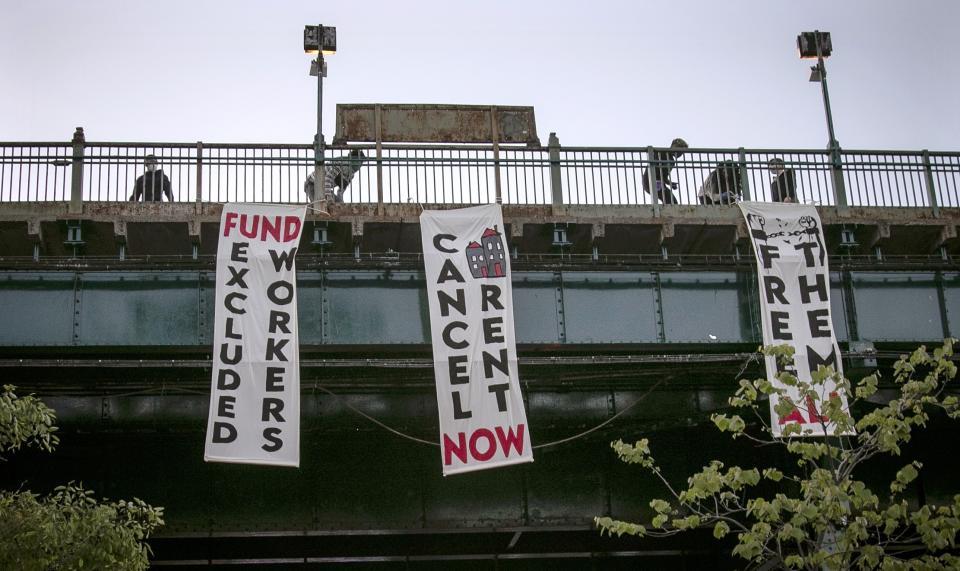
(611, 229)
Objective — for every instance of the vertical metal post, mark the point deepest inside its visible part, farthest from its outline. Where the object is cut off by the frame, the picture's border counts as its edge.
(652, 181)
(76, 181)
(559, 307)
(496, 154)
(942, 304)
(378, 125)
(836, 166)
(850, 305)
(199, 185)
(556, 182)
(744, 176)
(931, 189)
(77, 305)
(826, 97)
(318, 143)
(658, 306)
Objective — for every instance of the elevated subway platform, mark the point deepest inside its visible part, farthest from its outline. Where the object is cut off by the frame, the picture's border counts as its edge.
(45, 229)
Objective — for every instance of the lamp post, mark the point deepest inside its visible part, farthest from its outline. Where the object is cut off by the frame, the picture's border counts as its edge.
(818, 45)
(320, 40)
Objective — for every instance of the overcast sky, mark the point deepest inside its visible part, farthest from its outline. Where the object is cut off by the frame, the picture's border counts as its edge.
(718, 73)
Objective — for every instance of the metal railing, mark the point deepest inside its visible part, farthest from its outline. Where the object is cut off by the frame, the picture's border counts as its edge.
(470, 174)
(31, 172)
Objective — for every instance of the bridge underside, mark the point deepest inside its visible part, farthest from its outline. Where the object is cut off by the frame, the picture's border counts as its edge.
(372, 496)
(641, 339)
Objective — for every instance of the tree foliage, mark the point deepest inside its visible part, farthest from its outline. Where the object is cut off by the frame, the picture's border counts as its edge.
(819, 516)
(69, 529)
(25, 422)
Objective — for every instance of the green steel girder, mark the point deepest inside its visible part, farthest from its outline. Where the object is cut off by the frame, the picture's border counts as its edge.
(339, 308)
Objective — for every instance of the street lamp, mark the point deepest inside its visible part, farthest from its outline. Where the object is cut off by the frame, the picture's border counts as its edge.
(817, 45)
(320, 40)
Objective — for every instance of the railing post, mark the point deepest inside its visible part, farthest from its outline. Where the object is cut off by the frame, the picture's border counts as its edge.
(199, 186)
(377, 118)
(931, 189)
(744, 176)
(836, 167)
(76, 181)
(496, 154)
(652, 181)
(556, 182)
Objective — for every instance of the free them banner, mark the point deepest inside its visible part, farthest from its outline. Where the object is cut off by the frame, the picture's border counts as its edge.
(482, 420)
(794, 281)
(255, 390)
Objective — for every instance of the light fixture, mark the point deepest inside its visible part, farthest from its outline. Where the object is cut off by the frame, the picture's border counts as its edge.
(848, 239)
(74, 237)
(807, 44)
(815, 75)
(320, 38)
(320, 237)
(560, 235)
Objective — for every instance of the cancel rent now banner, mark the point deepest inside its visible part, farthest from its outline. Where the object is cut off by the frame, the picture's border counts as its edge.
(794, 284)
(255, 394)
(482, 421)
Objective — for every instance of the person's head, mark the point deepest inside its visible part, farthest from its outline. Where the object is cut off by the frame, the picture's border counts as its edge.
(678, 143)
(150, 163)
(775, 166)
(356, 158)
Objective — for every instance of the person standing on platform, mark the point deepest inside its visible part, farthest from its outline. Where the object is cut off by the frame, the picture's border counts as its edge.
(783, 187)
(152, 185)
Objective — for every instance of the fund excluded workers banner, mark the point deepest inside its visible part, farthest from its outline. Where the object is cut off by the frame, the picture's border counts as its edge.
(255, 395)
(794, 281)
(482, 421)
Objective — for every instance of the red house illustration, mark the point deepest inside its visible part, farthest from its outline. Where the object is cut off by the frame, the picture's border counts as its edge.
(487, 259)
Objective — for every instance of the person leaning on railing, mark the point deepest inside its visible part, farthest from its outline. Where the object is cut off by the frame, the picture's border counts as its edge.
(153, 184)
(337, 176)
(663, 162)
(723, 185)
(783, 187)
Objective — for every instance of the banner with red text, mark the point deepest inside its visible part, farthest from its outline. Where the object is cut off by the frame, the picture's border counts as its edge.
(794, 280)
(255, 390)
(482, 420)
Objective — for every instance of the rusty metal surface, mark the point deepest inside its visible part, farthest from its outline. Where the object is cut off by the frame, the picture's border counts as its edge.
(436, 124)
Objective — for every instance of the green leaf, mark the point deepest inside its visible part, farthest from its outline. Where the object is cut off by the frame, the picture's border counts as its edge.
(772, 474)
(619, 528)
(904, 476)
(793, 561)
(660, 506)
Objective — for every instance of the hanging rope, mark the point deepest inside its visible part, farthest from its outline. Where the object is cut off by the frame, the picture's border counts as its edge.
(536, 447)
(373, 420)
(604, 423)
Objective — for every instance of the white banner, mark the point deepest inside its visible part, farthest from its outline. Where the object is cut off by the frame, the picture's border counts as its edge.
(255, 390)
(482, 421)
(794, 281)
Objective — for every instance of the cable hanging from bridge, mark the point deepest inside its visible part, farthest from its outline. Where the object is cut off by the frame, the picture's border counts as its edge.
(535, 447)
